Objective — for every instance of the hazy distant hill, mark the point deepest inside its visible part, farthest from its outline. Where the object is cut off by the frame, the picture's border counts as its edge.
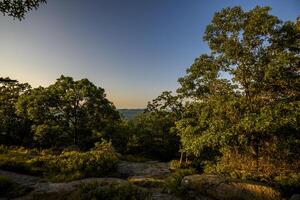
(130, 113)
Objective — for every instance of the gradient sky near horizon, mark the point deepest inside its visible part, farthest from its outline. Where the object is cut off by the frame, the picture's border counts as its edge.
(134, 49)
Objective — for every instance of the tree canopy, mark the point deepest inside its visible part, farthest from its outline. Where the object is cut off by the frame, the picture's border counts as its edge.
(19, 8)
(245, 93)
(68, 112)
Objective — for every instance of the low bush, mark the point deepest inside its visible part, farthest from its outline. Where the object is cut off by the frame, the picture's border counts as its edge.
(288, 184)
(173, 182)
(175, 164)
(68, 165)
(277, 173)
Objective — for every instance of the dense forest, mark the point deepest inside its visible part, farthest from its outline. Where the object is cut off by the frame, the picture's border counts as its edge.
(235, 115)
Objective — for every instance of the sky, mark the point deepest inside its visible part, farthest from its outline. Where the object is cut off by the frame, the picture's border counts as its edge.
(134, 49)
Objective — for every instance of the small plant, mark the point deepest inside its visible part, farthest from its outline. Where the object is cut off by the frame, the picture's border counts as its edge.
(173, 182)
(175, 164)
(288, 184)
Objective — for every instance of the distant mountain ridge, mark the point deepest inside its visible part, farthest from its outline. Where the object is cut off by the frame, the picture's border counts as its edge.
(130, 113)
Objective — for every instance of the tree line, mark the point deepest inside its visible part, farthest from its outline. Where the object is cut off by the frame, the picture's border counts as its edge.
(242, 98)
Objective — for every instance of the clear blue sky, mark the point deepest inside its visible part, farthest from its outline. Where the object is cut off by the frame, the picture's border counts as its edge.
(134, 49)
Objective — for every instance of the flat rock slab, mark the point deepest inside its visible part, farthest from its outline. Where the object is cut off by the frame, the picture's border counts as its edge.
(151, 168)
(295, 197)
(38, 185)
(224, 189)
(22, 179)
(161, 196)
(47, 188)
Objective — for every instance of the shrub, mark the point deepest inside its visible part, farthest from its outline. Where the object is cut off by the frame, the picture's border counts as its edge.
(288, 184)
(3, 149)
(68, 165)
(175, 164)
(279, 173)
(71, 165)
(173, 182)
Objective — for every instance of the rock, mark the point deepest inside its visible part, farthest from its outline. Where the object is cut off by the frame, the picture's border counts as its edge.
(70, 186)
(295, 197)
(162, 196)
(150, 168)
(144, 181)
(223, 188)
(51, 188)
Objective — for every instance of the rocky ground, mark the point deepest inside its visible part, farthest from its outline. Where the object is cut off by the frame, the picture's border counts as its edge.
(133, 172)
(151, 174)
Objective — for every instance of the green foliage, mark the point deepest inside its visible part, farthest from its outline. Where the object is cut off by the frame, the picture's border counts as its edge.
(19, 8)
(119, 133)
(113, 191)
(152, 135)
(259, 104)
(15, 159)
(281, 174)
(288, 184)
(175, 164)
(65, 166)
(67, 113)
(14, 130)
(173, 182)
(166, 102)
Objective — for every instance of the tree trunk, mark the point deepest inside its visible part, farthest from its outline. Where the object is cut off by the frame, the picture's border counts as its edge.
(181, 157)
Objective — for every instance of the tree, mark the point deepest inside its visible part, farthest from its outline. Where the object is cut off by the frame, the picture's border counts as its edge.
(261, 101)
(166, 102)
(153, 136)
(19, 8)
(7, 80)
(68, 112)
(14, 130)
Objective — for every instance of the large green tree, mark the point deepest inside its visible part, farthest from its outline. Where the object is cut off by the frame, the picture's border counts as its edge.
(153, 132)
(14, 130)
(68, 112)
(258, 102)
